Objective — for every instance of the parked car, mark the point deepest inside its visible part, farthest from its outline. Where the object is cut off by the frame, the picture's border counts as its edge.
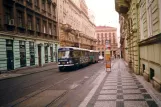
(101, 57)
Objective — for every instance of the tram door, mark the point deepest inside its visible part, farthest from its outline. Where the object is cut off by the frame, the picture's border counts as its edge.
(9, 52)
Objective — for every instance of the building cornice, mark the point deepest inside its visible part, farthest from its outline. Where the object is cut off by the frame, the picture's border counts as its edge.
(151, 40)
(15, 35)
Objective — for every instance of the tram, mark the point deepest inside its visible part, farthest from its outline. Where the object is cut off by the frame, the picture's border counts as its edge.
(94, 56)
(72, 57)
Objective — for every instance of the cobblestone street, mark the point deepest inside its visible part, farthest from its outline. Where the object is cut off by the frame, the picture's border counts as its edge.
(122, 89)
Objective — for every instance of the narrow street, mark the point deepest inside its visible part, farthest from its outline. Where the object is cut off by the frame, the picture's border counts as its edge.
(87, 87)
(18, 89)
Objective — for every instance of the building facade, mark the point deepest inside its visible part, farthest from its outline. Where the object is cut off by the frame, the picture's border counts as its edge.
(143, 18)
(28, 33)
(76, 28)
(104, 33)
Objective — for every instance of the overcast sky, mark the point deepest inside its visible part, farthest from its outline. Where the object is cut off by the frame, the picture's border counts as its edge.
(104, 12)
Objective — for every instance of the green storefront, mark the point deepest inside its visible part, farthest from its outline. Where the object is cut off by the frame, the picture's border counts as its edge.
(17, 53)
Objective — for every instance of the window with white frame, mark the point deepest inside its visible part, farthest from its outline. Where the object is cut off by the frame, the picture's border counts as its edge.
(149, 18)
(141, 20)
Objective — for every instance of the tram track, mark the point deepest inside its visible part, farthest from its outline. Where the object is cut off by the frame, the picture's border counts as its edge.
(51, 80)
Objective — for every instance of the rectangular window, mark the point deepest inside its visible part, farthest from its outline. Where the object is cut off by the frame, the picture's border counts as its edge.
(37, 24)
(29, 22)
(8, 15)
(54, 30)
(20, 18)
(50, 29)
(54, 10)
(43, 4)
(37, 3)
(44, 27)
(49, 8)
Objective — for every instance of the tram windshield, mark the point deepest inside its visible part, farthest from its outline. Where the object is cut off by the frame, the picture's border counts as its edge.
(65, 54)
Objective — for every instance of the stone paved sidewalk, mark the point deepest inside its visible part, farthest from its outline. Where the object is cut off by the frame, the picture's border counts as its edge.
(123, 89)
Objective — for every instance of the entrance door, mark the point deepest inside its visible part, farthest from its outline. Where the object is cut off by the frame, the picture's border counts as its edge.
(9, 52)
(151, 74)
(22, 53)
(39, 55)
(143, 68)
(51, 53)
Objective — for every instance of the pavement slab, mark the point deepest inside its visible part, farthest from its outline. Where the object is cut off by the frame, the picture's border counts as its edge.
(122, 89)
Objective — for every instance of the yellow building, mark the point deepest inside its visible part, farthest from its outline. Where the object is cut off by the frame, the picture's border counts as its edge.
(142, 29)
(128, 11)
(75, 27)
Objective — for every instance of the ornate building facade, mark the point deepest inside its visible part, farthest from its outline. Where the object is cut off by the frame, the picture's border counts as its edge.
(104, 33)
(28, 33)
(141, 28)
(76, 29)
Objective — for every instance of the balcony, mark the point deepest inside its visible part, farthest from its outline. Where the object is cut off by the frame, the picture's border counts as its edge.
(122, 6)
(67, 27)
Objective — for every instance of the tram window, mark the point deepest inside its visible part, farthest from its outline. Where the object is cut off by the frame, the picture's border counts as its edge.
(76, 54)
(71, 54)
(64, 54)
(83, 53)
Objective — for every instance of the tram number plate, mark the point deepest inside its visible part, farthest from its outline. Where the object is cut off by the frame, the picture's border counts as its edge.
(63, 62)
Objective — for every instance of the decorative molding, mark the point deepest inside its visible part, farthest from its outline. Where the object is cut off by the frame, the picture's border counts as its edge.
(151, 40)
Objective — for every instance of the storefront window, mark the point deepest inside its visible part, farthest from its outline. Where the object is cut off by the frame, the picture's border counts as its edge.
(51, 53)
(55, 53)
(22, 53)
(46, 54)
(32, 53)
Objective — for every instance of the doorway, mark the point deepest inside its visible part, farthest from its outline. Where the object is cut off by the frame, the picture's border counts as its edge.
(9, 52)
(39, 55)
(51, 53)
(143, 67)
(151, 74)
(22, 53)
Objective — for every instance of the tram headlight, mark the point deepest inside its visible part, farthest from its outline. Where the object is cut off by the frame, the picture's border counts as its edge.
(58, 62)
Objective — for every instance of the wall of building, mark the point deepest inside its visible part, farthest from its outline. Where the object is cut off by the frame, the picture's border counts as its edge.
(73, 13)
(144, 45)
(150, 53)
(28, 29)
(16, 53)
(104, 33)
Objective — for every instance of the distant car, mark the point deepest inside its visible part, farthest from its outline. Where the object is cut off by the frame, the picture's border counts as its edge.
(101, 57)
